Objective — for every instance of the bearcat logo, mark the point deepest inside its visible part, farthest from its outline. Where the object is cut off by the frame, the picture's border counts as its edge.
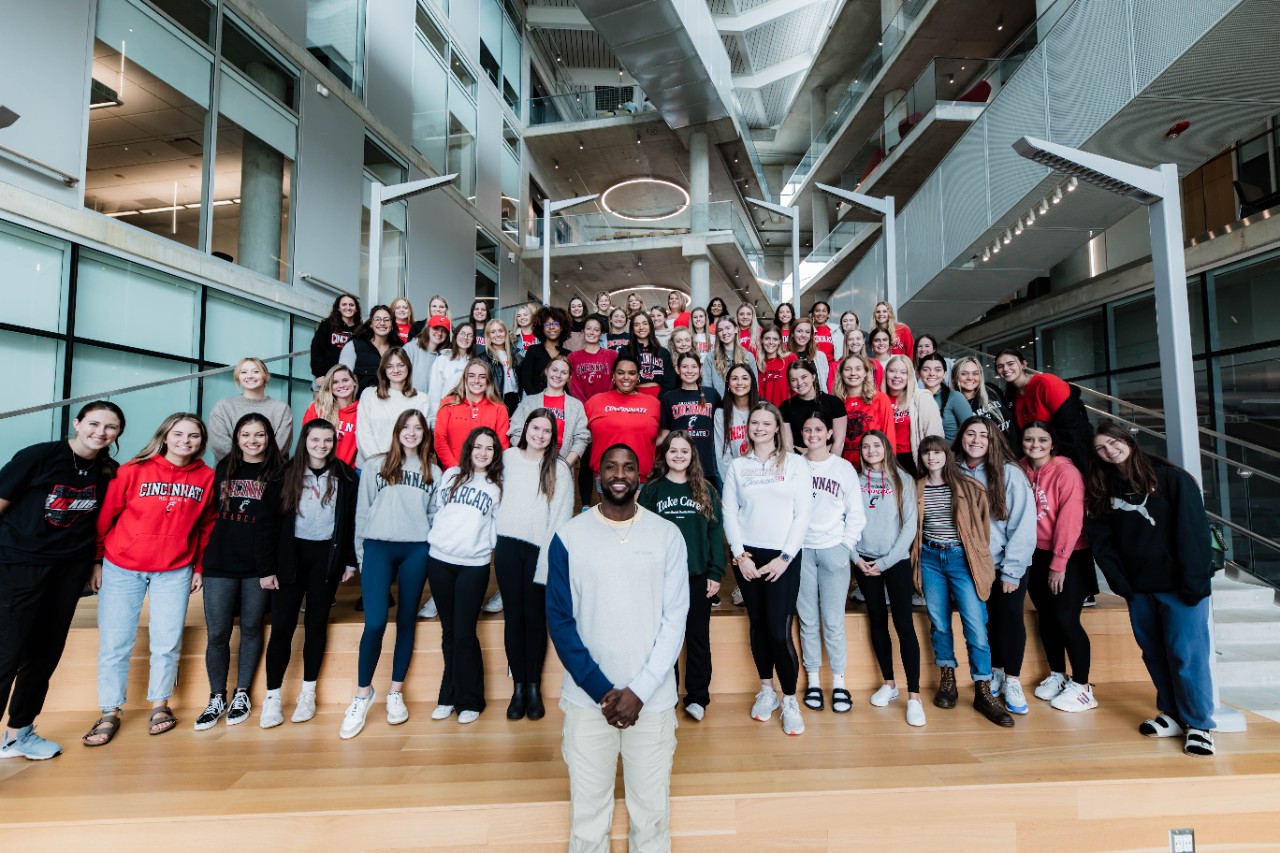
(65, 505)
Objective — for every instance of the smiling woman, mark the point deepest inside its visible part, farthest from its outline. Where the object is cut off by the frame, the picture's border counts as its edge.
(251, 377)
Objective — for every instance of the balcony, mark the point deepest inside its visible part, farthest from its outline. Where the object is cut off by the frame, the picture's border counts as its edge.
(603, 102)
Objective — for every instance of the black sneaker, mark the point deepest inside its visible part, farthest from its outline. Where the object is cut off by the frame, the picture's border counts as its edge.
(1090, 601)
(212, 713)
(715, 600)
(240, 708)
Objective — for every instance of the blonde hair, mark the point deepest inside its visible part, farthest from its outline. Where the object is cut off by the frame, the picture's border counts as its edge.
(408, 304)
(506, 338)
(892, 326)
(860, 337)
(327, 404)
(909, 392)
(433, 298)
(680, 332)
(266, 374)
(721, 360)
(811, 349)
(980, 394)
(781, 444)
(156, 445)
(755, 323)
(867, 391)
(459, 393)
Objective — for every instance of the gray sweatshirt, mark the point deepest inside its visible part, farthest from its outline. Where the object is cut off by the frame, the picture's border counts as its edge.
(226, 413)
(1013, 541)
(727, 453)
(574, 435)
(888, 535)
(400, 513)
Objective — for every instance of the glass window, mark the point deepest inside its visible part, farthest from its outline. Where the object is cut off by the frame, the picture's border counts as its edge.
(335, 36)
(1254, 163)
(380, 165)
(491, 26)
(259, 64)
(124, 303)
(1247, 304)
(1135, 336)
(511, 65)
(430, 97)
(511, 194)
(487, 268)
(1250, 396)
(465, 78)
(95, 370)
(32, 288)
(429, 30)
(34, 368)
(1023, 342)
(303, 331)
(148, 107)
(1075, 348)
(461, 155)
(234, 329)
(195, 16)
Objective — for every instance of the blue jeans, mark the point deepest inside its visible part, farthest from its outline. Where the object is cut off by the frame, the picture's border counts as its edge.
(119, 606)
(945, 578)
(1174, 638)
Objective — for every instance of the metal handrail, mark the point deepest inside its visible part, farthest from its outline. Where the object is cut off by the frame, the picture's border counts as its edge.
(66, 177)
(99, 395)
(1244, 531)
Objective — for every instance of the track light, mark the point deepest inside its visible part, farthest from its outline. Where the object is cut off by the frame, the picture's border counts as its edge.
(1017, 228)
(1057, 195)
(1007, 238)
(1000, 23)
(580, 145)
(1044, 206)
(995, 247)
(557, 162)
(986, 254)
(1072, 183)
(637, 139)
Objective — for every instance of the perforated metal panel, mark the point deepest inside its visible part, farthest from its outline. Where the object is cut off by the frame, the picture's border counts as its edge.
(1137, 134)
(1164, 29)
(922, 236)
(1019, 110)
(1237, 61)
(966, 210)
(864, 286)
(1090, 69)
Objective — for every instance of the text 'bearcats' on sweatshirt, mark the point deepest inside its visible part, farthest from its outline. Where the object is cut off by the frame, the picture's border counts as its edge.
(1013, 540)
(1059, 496)
(399, 513)
(465, 528)
(157, 517)
(888, 534)
(767, 504)
(703, 537)
(837, 505)
(617, 600)
(232, 544)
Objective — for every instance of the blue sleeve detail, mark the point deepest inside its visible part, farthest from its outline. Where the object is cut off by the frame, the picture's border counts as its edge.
(563, 627)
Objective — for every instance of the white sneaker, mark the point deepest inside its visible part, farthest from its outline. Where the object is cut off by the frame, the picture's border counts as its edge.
(1075, 697)
(1015, 701)
(766, 703)
(693, 709)
(736, 598)
(917, 600)
(1051, 686)
(857, 595)
(493, 605)
(306, 707)
(442, 712)
(272, 715)
(465, 717)
(997, 682)
(428, 610)
(397, 713)
(792, 722)
(353, 720)
(915, 713)
(882, 697)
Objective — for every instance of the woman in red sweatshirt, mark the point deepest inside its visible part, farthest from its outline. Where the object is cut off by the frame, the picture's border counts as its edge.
(624, 416)
(773, 363)
(474, 403)
(337, 402)
(1061, 572)
(867, 407)
(152, 532)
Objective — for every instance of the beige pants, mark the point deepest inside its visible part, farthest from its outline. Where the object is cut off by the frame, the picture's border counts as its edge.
(591, 748)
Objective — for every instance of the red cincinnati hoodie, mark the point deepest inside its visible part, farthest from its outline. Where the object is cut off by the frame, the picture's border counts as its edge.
(156, 516)
(345, 428)
(1059, 495)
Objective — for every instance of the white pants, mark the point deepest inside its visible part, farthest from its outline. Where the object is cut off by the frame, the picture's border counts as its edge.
(591, 748)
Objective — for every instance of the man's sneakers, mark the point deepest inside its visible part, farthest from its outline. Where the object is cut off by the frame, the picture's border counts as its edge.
(357, 711)
(792, 722)
(1049, 689)
(214, 711)
(1014, 699)
(25, 743)
(764, 706)
(1074, 697)
(1161, 725)
(240, 708)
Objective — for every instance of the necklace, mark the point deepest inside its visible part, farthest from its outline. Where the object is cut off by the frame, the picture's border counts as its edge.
(609, 523)
(88, 464)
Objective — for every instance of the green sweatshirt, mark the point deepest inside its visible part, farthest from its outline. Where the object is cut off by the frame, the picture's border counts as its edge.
(703, 537)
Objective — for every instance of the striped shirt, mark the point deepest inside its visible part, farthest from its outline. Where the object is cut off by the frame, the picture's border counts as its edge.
(939, 519)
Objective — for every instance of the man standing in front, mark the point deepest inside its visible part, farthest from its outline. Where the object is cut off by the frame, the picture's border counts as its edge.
(617, 597)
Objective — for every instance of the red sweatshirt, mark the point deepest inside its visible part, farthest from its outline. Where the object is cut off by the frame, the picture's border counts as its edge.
(903, 343)
(592, 373)
(863, 417)
(1059, 496)
(1040, 398)
(455, 421)
(773, 379)
(157, 517)
(630, 419)
(345, 427)
(822, 339)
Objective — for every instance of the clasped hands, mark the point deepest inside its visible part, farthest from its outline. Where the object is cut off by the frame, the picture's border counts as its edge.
(621, 707)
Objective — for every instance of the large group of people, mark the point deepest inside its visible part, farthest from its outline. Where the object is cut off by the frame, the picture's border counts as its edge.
(798, 455)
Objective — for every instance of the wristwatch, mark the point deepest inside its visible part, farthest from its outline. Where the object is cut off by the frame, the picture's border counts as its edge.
(785, 557)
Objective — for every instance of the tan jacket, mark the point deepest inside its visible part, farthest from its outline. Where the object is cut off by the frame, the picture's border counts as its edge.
(973, 523)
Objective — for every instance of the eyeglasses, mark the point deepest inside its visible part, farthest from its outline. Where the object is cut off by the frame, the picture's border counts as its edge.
(549, 323)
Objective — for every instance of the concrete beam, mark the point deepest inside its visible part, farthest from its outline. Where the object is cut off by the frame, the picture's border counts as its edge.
(773, 73)
(759, 16)
(556, 18)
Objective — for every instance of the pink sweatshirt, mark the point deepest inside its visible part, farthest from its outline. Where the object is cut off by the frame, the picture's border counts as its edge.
(1059, 496)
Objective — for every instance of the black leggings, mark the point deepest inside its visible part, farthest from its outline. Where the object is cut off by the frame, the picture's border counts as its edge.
(697, 643)
(37, 604)
(313, 585)
(524, 609)
(1061, 633)
(1007, 627)
(459, 593)
(898, 581)
(586, 478)
(771, 605)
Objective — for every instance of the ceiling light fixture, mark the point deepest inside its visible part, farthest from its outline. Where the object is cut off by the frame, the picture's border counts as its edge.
(1072, 183)
(995, 247)
(1008, 237)
(580, 145)
(1000, 23)
(676, 211)
(1057, 195)
(1017, 228)
(1044, 206)
(986, 254)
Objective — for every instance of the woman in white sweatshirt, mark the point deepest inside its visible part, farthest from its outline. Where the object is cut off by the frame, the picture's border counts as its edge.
(382, 405)
(768, 500)
(394, 511)
(834, 529)
(462, 540)
(537, 497)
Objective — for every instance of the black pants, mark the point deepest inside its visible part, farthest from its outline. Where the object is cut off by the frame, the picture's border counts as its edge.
(697, 643)
(771, 605)
(524, 606)
(313, 586)
(37, 604)
(1058, 616)
(586, 478)
(459, 593)
(1006, 626)
(222, 598)
(907, 461)
(898, 581)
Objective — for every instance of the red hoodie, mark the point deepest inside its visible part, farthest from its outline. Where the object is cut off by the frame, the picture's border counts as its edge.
(1059, 495)
(345, 427)
(1043, 394)
(592, 373)
(822, 339)
(157, 517)
(773, 379)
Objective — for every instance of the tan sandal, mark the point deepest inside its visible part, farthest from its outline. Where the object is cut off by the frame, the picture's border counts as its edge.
(162, 717)
(105, 725)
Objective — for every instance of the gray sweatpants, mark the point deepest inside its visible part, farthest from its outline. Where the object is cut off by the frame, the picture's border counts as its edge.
(824, 588)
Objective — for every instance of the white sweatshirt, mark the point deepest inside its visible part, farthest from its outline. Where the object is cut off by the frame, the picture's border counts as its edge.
(767, 505)
(446, 373)
(464, 530)
(376, 420)
(837, 505)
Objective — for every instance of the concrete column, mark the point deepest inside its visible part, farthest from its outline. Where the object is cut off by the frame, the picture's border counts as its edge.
(261, 189)
(699, 282)
(817, 110)
(821, 217)
(699, 181)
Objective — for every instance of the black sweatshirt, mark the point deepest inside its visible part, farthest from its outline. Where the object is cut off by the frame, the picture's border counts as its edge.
(326, 346)
(231, 549)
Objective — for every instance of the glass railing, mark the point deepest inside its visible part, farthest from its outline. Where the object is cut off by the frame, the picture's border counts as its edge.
(604, 102)
(581, 229)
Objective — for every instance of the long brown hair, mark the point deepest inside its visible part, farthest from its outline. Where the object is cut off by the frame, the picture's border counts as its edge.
(156, 446)
(998, 455)
(384, 384)
(296, 471)
(326, 404)
(697, 480)
(727, 405)
(392, 470)
(335, 314)
(1136, 472)
(466, 468)
(951, 475)
(547, 467)
(890, 468)
(272, 461)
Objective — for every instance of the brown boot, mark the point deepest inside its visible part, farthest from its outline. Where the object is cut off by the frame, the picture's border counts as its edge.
(986, 705)
(947, 694)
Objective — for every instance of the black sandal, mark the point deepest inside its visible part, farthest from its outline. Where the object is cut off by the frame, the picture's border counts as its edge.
(104, 726)
(813, 699)
(841, 701)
